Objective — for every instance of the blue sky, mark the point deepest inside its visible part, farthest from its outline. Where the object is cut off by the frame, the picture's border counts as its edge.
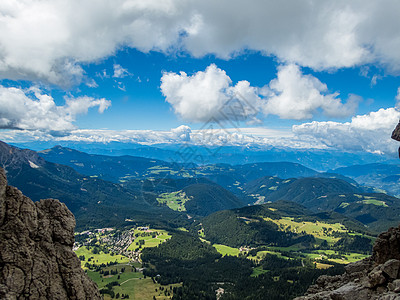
(142, 98)
(138, 103)
(307, 74)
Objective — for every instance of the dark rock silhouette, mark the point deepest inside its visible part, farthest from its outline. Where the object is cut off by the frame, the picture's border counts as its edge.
(396, 134)
(376, 277)
(36, 257)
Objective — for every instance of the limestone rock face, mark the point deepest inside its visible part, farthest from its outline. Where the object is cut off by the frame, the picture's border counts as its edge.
(36, 257)
(376, 277)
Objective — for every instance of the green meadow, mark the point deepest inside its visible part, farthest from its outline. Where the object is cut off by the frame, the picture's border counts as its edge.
(129, 282)
(175, 200)
(226, 250)
(156, 170)
(319, 230)
(99, 258)
(335, 256)
(150, 238)
(374, 202)
(261, 254)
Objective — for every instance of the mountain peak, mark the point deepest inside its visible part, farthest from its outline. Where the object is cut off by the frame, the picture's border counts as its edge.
(13, 157)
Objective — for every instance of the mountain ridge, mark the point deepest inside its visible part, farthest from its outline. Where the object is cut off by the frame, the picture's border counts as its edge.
(94, 202)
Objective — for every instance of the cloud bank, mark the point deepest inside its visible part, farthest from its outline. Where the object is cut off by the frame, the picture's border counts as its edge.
(49, 40)
(370, 132)
(367, 133)
(34, 110)
(210, 94)
(208, 137)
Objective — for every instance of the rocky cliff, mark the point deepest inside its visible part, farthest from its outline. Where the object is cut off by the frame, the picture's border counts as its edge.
(36, 257)
(396, 134)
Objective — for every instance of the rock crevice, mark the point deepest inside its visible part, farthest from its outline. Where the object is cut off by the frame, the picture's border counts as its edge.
(36, 257)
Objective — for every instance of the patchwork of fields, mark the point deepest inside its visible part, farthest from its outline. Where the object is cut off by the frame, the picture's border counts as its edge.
(122, 276)
(149, 238)
(118, 276)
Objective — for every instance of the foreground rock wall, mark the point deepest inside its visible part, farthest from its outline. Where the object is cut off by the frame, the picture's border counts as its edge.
(36, 257)
(376, 277)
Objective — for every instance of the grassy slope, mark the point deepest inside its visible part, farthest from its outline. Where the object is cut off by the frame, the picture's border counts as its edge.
(149, 241)
(132, 283)
(175, 200)
(100, 258)
(226, 250)
(320, 230)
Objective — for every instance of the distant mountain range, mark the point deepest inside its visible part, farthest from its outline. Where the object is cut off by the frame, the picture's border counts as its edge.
(122, 169)
(381, 176)
(317, 159)
(92, 200)
(103, 189)
(111, 168)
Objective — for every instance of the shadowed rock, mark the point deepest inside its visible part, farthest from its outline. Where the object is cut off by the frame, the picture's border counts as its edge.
(36, 257)
(396, 134)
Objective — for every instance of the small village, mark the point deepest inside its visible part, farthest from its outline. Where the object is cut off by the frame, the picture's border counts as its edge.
(119, 242)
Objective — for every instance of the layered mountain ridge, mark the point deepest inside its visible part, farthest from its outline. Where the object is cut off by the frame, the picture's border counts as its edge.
(146, 190)
(376, 277)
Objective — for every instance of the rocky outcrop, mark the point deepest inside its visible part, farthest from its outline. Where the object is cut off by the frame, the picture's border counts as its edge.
(396, 134)
(376, 277)
(36, 257)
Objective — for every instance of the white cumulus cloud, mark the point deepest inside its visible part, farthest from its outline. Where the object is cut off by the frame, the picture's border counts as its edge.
(210, 95)
(49, 40)
(199, 97)
(370, 132)
(34, 110)
(182, 133)
(293, 95)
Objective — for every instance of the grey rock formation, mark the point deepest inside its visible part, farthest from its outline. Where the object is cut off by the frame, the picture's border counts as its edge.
(396, 134)
(376, 277)
(36, 257)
